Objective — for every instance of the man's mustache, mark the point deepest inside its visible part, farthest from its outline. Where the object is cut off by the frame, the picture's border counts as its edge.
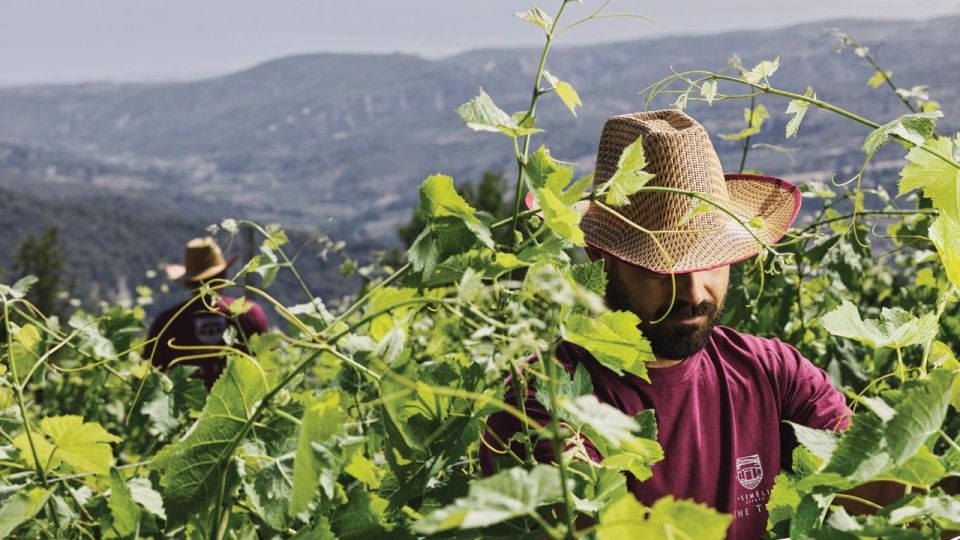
(686, 310)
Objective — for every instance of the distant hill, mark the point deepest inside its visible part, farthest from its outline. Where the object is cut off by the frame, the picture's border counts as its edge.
(339, 142)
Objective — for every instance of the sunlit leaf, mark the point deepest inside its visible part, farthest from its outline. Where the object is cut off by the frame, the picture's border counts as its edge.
(668, 519)
(630, 176)
(613, 338)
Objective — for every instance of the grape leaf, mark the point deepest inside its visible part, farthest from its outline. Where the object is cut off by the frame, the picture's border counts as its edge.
(566, 92)
(630, 176)
(896, 328)
(509, 494)
(20, 508)
(937, 178)
(83, 446)
(798, 108)
(194, 467)
(945, 235)
(482, 114)
(613, 338)
(915, 128)
(762, 71)
(538, 17)
(754, 119)
(709, 91)
(321, 420)
(668, 519)
(560, 218)
(125, 512)
(878, 78)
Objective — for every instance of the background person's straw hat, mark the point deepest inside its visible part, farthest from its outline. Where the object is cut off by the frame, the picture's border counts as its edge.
(692, 236)
(202, 260)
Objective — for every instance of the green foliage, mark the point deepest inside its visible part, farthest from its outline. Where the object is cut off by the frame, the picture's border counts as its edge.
(367, 420)
(510, 494)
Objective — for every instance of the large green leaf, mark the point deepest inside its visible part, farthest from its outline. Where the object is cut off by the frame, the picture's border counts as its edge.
(919, 414)
(798, 108)
(125, 512)
(321, 420)
(896, 328)
(668, 519)
(630, 176)
(937, 178)
(195, 467)
(942, 508)
(482, 114)
(83, 446)
(613, 338)
(509, 494)
(439, 199)
(560, 218)
(21, 508)
(915, 128)
(945, 235)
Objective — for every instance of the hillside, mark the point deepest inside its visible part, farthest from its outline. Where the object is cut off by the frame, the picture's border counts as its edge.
(337, 143)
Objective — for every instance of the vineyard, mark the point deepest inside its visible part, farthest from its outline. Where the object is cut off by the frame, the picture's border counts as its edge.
(366, 420)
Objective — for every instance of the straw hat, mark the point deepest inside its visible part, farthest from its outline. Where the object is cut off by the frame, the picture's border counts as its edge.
(691, 236)
(202, 260)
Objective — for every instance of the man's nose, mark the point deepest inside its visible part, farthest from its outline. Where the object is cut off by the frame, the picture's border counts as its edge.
(692, 288)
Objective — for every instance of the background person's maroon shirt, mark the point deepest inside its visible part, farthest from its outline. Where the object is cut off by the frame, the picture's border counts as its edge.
(198, 326)
(719, 416)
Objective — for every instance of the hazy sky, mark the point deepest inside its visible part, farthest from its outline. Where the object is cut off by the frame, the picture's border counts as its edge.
(72, 40)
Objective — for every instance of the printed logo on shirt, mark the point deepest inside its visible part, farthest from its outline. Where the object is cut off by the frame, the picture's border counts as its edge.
(749, 471)
(209, 328)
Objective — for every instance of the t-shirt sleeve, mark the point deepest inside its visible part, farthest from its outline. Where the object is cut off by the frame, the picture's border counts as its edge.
(254, 321)
(806, 394)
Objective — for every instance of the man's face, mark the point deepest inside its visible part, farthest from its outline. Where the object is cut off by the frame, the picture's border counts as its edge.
(696, 307)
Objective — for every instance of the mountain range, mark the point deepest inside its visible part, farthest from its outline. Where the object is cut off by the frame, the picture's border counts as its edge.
(338, 143)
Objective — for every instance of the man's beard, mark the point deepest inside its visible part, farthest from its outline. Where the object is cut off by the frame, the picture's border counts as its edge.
(670, 342)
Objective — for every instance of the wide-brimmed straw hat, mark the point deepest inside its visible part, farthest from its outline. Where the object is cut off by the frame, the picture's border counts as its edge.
(202, 260)
(673, 232)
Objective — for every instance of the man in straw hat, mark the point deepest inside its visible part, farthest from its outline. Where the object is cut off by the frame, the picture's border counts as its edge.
(720, 397)
(201, 322)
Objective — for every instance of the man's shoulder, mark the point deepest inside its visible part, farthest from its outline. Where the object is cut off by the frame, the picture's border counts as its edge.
(769, 353)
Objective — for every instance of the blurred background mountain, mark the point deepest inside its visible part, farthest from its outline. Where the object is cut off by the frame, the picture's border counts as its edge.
(336, 144)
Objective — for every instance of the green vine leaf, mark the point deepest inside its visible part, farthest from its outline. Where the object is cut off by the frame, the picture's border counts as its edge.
(937, 178)
(195, 469)
(537, 17)
(709, 91)
(630, 176)
(613, 338)
(896, 328)
(915, 128)
(754, 118)
(762, 71)
(668, 519)
(321, 420)
(20, 508)
(125, 512)
(945, 235)
(509, 494)
(83, 446)
(566, 92)
(798, 108)
(482, 114)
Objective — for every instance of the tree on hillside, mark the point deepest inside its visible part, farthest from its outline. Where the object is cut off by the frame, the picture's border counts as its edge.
(43, 257)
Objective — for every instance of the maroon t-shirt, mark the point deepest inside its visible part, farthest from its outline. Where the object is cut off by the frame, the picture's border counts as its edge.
(199, 326)
(719, 416)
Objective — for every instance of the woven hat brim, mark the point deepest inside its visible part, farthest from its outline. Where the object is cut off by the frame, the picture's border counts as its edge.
(179, 272)
(776, 202)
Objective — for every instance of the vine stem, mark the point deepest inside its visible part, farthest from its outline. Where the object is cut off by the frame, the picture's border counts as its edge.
(521, 155)
(18, 392)
(746, 141)
(832, 108)
(551, 368)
